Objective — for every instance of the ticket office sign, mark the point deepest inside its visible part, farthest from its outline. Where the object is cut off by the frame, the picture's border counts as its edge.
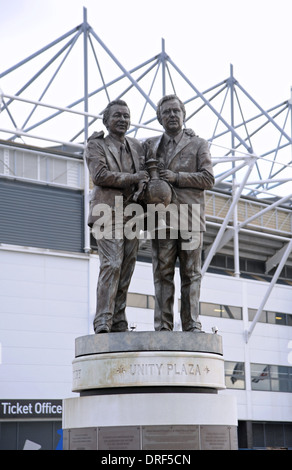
(30, 409)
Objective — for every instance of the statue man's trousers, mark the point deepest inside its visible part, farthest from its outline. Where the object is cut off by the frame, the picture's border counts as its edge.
(117, 263)
(164, 256)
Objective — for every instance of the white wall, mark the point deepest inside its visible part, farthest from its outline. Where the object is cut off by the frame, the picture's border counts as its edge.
(44, 307)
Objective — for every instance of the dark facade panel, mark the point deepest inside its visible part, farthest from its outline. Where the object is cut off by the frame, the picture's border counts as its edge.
(31, 435)
(41, 216)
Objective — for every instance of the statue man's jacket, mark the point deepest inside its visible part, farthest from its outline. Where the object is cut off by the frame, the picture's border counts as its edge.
(105, 170)
(191, 161)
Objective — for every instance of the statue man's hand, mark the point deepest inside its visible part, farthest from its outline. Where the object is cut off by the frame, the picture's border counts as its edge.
(142, 179)
(168, 175)
(142, 176)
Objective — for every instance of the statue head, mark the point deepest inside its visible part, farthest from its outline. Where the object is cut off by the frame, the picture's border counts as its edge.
(116, 117)
(172, 99)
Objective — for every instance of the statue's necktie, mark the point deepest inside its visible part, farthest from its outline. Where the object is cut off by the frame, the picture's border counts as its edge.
(169, 150)
(126, 159)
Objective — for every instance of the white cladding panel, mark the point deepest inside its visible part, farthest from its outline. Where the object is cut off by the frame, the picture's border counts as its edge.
(44, 306)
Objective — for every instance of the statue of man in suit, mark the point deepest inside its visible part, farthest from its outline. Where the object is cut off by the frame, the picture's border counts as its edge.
(115, 165)
(185, 162)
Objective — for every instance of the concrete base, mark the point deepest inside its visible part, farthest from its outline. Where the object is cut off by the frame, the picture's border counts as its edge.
(149, 390)
(177, 421)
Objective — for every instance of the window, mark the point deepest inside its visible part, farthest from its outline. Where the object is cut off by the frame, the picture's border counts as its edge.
(140, 300)
(41, 167)
(252, 313)
(271, 378)
(274, 318)
(221, 311)
(260, 377)
(57, 171)
(25, 165)
(281, 378)
(234, 375)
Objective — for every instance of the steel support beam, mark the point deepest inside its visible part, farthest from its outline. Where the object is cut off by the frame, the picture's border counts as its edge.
(19, 132)
(271, 120)
(44, 49)
(229, 214)
(163, 62)
(224, 175)
(228, 126)
(127, 74)
(226, 237)
(60, 110)
(85, 167)
(275, 259)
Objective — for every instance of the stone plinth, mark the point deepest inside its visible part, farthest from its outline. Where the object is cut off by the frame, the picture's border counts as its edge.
(149, 390)
(143, 359)
(148, 341)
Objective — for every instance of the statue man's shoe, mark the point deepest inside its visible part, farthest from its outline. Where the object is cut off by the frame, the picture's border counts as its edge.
(103, 329)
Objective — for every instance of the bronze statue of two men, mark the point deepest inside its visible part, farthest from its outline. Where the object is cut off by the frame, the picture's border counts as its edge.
(118, 167)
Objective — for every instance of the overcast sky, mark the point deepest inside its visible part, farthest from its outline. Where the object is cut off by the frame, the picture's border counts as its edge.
(202, 37)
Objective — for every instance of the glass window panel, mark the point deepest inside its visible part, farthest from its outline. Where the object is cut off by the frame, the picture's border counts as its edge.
(74, 174)
(234, 375)
(279, 386)
(59, 171)
(280, 378)
(276, 318)
(151, 301)
(275, 384)
(231, 312)
(12, 168)
(252, 313)
(137, 300)
(260, 377)
(18, 164)
(221, 311)
(273, 372)
(40, 167)
(1, 161)
(43, 162)
(140, 300)
(283, 372)
(30, 166)
(212, 310)
(271, 377)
